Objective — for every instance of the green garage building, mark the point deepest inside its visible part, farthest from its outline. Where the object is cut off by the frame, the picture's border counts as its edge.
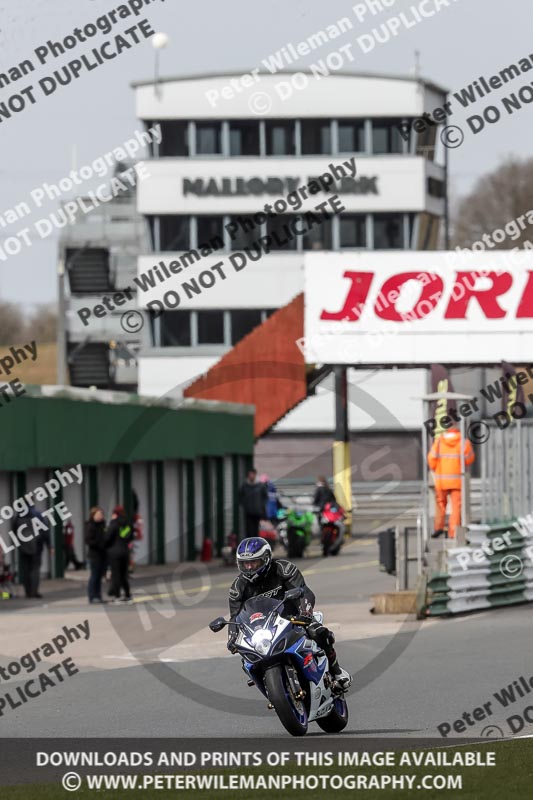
(182, 461)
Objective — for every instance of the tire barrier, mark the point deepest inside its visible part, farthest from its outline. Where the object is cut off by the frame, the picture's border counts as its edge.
(495, 569)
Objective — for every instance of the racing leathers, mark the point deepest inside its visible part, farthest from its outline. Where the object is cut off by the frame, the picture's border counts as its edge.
(281, 576)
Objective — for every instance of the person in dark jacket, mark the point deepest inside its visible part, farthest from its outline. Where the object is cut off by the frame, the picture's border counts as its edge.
(273, 502)
(253, 497)
(259, 576)
(323, 493)
(31, 552)
(29, 561)
(117, 539)
(96, 553)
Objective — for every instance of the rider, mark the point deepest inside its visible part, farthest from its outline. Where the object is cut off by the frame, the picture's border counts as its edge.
(259, 575)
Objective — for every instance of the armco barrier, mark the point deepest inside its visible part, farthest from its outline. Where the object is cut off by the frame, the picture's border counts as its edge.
(494, 570)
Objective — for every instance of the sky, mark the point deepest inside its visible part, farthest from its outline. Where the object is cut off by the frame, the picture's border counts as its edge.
(96, 113)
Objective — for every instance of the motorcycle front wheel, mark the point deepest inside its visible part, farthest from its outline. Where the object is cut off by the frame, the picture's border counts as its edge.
(291, 712)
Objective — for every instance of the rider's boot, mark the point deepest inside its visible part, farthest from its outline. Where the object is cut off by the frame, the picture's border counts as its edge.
(339, 675)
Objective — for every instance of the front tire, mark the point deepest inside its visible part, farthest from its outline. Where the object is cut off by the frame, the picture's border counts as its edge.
(292, 713)
(326, 543)
(337, 719)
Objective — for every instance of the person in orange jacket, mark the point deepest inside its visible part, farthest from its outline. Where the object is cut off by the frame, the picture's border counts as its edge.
(444, 459)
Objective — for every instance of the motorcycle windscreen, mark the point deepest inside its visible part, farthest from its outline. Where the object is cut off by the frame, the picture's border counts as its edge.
(256, 610)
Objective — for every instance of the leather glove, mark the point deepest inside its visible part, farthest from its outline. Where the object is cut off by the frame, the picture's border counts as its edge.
(315, 630)
(231, 643)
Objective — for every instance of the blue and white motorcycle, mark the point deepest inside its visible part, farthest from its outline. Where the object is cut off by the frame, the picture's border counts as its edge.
(286, 666)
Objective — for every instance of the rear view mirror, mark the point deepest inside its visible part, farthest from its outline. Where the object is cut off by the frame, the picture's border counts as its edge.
(217, 624)
(294, 594)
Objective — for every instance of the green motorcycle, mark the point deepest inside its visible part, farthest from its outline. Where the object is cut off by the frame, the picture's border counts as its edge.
(294, 530)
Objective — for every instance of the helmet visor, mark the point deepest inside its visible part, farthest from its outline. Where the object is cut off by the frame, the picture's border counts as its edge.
(251, 566)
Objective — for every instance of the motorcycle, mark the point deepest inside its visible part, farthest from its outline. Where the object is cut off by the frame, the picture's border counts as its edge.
(332, 529)
(294, 530)
(287, 667)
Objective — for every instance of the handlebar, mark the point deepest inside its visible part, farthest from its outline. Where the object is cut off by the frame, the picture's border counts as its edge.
(303, 621)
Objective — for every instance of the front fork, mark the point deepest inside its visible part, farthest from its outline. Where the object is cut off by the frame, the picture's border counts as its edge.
(295, 686)
(292, 676)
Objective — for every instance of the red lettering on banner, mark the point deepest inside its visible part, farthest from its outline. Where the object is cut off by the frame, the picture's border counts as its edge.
(487, 298)
(357, 294)
(385, 307)
(460, 295)
(525, 307)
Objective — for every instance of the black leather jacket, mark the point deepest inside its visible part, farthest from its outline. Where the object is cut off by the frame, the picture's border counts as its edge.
(323, 495)
(281, 576)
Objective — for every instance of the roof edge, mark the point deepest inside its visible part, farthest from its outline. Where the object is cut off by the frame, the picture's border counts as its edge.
(372, 75)
(111, 397)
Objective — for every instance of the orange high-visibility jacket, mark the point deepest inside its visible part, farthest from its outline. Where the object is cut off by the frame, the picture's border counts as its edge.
(444, 459)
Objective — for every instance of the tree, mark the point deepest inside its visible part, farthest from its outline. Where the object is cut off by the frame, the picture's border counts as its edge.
(499, 201)
(42, 326)
(12, 324)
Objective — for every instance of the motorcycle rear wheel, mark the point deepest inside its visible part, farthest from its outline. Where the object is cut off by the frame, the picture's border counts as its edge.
(292, 713)
(295, 544)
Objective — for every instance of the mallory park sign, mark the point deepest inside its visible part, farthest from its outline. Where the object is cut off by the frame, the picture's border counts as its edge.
(242, 187)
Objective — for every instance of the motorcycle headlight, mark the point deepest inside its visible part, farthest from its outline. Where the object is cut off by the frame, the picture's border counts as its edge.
(261, 641)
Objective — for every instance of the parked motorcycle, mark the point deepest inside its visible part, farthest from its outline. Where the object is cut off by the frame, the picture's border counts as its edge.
(288, 668)
(294, 530)
(332, 529)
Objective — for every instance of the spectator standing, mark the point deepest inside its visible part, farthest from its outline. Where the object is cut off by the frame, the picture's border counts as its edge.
(117, 540)
(323, 493)
(253, 497)
(96, 553)
(29, 561)
(273, 503)
(31, 552)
